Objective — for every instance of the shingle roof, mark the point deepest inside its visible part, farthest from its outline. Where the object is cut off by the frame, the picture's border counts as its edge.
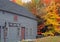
(12, 7)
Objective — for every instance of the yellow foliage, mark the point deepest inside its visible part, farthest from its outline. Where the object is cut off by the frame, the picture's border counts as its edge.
(52, 16)
(19, 2)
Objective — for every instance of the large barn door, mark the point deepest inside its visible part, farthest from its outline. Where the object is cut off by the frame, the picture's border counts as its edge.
(13, 32)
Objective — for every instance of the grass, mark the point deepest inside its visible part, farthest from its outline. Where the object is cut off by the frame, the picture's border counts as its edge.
(49, 39)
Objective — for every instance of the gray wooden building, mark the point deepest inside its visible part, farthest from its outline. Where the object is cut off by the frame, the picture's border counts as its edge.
(16, 22)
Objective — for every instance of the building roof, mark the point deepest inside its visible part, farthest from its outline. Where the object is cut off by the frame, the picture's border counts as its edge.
(12, 7)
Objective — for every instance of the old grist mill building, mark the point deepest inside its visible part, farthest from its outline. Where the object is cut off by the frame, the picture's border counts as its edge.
(16, 22)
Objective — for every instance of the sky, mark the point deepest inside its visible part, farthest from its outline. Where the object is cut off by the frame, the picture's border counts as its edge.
(26, 1)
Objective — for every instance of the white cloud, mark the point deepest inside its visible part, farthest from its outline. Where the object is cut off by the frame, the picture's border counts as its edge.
(26, 1)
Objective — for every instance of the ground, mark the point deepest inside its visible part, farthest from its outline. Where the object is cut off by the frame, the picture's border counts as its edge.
(49, 39)
(46, 39)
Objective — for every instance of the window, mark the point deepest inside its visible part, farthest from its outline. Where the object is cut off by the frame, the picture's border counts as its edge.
(18, 31)
(26, 32)
(31, 32)
(3, 12)
(15, 18)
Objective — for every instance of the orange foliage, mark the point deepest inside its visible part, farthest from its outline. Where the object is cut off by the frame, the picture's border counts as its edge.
(34, 11)
(57, 1)
(47, 1)
(13, 1)
(39, 28)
